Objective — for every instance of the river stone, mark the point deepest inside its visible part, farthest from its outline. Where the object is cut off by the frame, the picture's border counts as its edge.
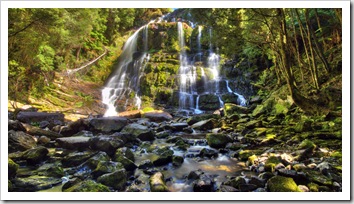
(195, 174)
(108, 144)
(157, 183)
(20, 141)
(218, 140)
(204, 184)
(76, 143)
(87, 186)
(177, 161)
(200, 117)
(108, 124)
(32, 130)
(226, 188)
(16, 125)
(116, 180)
(30, 117)
(282, 184)
(210, 153)
(145, 164)
(93, 161)
(76, 158)
(205, 124)
(36, 155)
(139, 131)
(51, 170)
(35, 183)
(158, 116)
(12, 168)
(230, 108)
(104, 167)
(74, 127)
(299, 177)
(178, 126)
(127, 163)
(236, 182)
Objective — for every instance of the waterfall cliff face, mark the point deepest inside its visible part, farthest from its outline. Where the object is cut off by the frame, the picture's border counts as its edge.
(157, 67)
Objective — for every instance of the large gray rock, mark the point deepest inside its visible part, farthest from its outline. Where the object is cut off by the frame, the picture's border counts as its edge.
(74, 127)
(76, 143)
(158, 116)
(108, 124)
(139, 131)
(29, 117)
(20, 141)
(108, 144)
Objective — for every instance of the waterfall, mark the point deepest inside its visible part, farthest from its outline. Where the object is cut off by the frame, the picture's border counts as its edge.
(187, 74)
(127, 74)
(198, 42)
(240, 98)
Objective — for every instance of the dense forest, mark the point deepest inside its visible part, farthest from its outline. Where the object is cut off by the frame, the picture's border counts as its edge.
(208, 99)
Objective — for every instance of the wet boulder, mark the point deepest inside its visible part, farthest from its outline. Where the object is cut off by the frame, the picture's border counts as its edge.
(157, 183)
(201, 117)
(139, 131)
(116, 179)
(93, 161)
(120, 157)
(20, 141)
(209, 102)
(74, 143)
(230, 108)
(177, 160)
(74, 127)
(104, 167)
(108, 124)
(32, 130)
(108, 144)
(205, 124)
(218, 140)
(204, 184)
(36, 155)
(35, 183)
(87, 186)
(76, 158)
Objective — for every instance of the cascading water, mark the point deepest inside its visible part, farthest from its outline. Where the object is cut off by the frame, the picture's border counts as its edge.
(240, 98)
(127, 75)
(187, 74)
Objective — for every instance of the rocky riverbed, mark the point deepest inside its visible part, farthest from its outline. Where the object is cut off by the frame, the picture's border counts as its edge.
(236, 149)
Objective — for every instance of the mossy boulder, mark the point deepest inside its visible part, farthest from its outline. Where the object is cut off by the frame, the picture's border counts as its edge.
(128, 164)
(209, 102)
(104, 167)
(229, 98)
(88, 186)
(177, 160)
(231, 108)
(36, 155)
(12, 168)
(106, 143)
(76, 158)
(20, 141)
(206, 124)
(282, 184)
(217, 140)
(35, 183)
(116, 180)
(139, 131)
(157, 183)
(197, 118)
(243, 155)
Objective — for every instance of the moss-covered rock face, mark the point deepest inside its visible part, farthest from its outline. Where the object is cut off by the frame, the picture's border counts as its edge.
(217, 140)
(282, 184)
(231, 108)
(88, 186)
(117, 179)
(12, 168)
(271, 163)
(209, 102)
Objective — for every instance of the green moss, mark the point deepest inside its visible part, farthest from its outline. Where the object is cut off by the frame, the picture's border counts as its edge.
(313, 187)
(12, 168)
(88, 186)
(271, 163)
(252, 159)
(244, 154)
(282, 184)
(306, 144)
(148, 109)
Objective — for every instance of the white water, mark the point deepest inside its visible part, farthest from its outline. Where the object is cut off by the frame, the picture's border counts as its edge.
(188, 74)
(126, 77)
(240, 98)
